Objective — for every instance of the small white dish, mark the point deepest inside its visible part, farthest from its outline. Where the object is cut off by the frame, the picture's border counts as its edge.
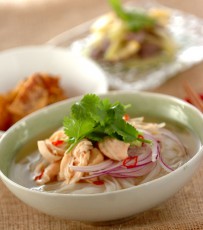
(78, 75)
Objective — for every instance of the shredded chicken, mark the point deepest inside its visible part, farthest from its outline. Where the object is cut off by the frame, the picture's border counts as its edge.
(49, 173)
(139, 123)
(49, 152)
(79, 156)
(96, 157)
(56, 161)
(53, 149)
(114, 149)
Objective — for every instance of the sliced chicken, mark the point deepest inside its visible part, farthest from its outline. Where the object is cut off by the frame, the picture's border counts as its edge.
(96, 157)
(58, 135)
(49, 151)
(64, 167)
(50, 172)
(53, 149)
(114, 149)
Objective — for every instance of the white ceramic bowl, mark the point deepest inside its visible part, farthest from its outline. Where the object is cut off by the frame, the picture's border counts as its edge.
(79, 75)
(111, 205)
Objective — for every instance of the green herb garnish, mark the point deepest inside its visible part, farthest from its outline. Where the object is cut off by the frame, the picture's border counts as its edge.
(135, 20)
(96, 118)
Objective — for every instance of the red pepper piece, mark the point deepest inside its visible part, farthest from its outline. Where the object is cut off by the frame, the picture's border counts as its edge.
(58, 142)
(38, 177)
(140, 136)
(126, 117)
(128, 159)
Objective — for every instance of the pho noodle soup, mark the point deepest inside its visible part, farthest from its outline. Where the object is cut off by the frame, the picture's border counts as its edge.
(105, 150)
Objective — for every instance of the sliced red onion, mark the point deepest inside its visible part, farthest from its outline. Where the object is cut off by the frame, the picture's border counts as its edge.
(172, 137)
(92, 168)
(139, 172)
(114, 166)
(92, 175)
(166, 167)
(145, 160)
(155, 145)
(125, 173)
(131, 170)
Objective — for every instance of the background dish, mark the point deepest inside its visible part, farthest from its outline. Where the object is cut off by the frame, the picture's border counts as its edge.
(186, 30)
(112, 205)
(78, 75)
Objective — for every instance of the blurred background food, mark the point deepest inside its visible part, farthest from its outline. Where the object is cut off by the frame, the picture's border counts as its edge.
(34, 92)
(37, 76)
(131, 35)
(31, 22)
(25, 22)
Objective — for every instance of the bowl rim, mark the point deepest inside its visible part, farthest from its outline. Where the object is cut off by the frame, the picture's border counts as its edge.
(116, 92)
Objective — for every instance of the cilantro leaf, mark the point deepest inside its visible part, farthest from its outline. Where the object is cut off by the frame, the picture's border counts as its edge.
(94, 118)
(134, 20)
(76, 129)
(124, 130)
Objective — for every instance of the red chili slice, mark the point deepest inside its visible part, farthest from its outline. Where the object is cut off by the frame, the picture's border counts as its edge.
(128, 159)
(58, 142)
(126, 117)
(140, 136)
(38, 177)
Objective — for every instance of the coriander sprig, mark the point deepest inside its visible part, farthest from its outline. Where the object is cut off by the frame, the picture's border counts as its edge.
(135, 20)
(96, 118)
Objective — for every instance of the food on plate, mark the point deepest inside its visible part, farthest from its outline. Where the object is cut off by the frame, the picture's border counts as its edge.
(101, 148)
(131, 36)
(31, 94)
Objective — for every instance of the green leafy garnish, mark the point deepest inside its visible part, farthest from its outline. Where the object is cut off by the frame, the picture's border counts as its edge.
(96, 118)
(135, 21)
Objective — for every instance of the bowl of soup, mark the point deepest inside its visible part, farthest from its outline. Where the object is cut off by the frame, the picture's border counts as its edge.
(149, 149)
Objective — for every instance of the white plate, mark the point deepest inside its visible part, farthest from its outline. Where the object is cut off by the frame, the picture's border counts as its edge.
(186, 30)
